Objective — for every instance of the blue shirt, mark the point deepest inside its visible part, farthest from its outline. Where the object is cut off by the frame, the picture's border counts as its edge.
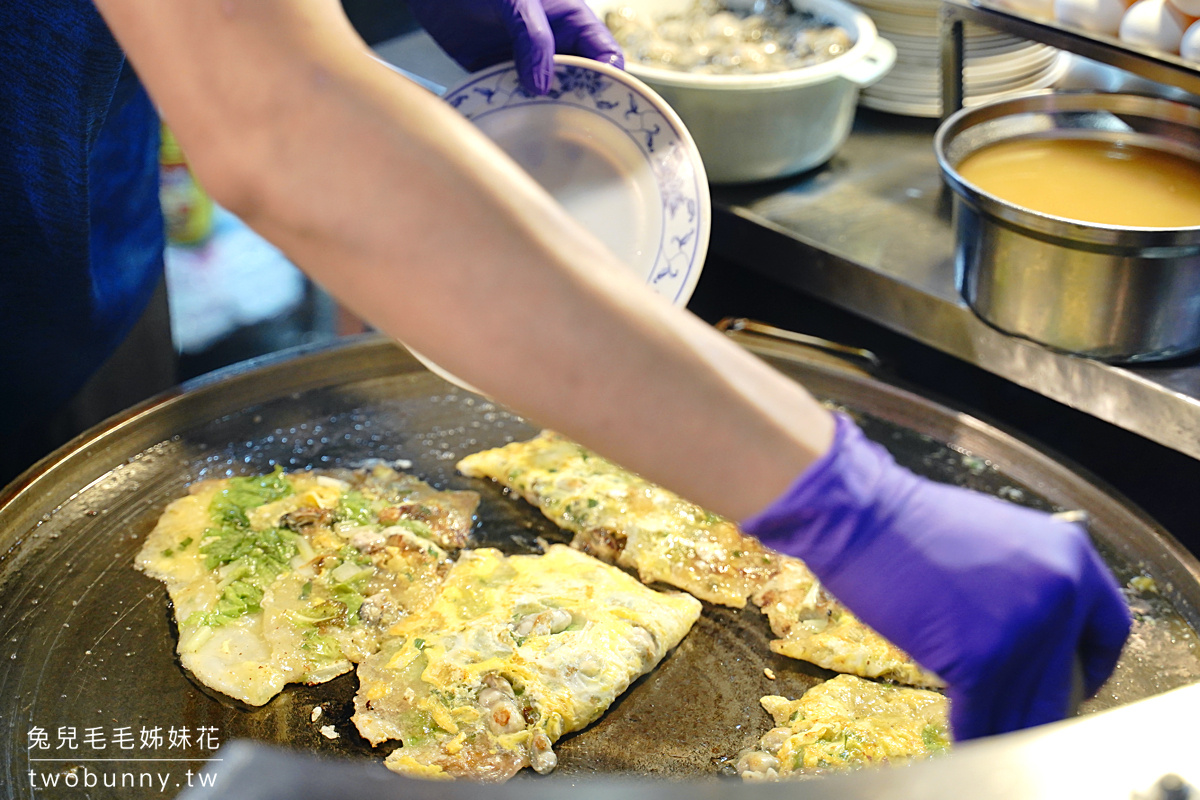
(81, 232)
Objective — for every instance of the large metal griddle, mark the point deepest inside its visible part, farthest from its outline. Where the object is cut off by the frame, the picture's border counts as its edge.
(88, 642)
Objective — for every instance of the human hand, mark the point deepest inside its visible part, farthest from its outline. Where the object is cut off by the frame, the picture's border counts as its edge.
(997, 599)
(479, 33)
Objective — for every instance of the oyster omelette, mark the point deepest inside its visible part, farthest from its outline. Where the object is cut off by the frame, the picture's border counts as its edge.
(516, 652)
(295, 578)
(626, 520)
(477, 665)
(475, 662)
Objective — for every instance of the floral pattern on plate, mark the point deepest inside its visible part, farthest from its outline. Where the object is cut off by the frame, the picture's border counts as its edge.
(666, 151)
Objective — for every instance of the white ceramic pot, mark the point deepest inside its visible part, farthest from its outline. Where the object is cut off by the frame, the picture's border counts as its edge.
(756, 127)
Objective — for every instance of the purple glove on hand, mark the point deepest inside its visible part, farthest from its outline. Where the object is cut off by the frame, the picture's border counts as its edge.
(479, 33)
(997, 599)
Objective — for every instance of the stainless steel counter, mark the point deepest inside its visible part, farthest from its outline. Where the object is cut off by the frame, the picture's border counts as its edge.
(870, 233)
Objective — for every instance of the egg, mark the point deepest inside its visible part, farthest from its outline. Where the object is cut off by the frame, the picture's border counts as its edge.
(294, 578)
(812, 626)
(849, 722)
(1155, 24)
(1097, 16)
(624, 519)
(1189, 7)
(516, 652)
(1189, 46)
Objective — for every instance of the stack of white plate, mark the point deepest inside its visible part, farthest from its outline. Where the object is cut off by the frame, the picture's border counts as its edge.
(997, 64)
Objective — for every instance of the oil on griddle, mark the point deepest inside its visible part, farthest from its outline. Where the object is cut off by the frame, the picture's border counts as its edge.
(88, 642)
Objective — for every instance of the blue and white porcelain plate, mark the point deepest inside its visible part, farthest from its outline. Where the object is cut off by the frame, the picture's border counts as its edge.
(613, 153)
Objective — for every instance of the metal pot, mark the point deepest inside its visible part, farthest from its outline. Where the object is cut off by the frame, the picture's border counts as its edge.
(1104, 291)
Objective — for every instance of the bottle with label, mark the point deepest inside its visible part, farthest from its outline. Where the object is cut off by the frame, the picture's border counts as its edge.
(187, 208)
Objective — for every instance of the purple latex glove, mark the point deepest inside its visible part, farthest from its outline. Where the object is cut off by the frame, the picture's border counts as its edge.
(995, 598)
(479, 33)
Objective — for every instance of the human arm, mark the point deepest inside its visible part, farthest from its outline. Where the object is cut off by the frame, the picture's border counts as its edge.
(420, 225)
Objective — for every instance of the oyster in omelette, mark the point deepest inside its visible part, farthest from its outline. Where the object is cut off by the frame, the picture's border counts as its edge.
(812, 626)
(477, 665)
(281, 578)
(845, 723)
(624, 519)
(515, 652)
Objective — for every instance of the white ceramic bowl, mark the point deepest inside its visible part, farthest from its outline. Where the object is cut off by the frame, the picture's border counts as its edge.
(756, 127)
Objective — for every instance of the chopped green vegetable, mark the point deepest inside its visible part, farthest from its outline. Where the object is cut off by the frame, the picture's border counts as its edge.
(416, 726)
(196, 640)
(349, 553)
(322, 647)
(349, 572)
(266, 551)
(321, 611)
(347, 581)
(417, 527)
(247, 560)
(355, 507)
(935, 738)
(229, 506)
(240, 597)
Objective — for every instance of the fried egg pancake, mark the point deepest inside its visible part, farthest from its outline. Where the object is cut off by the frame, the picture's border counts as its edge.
(514, 653)
(626, 520)
(848, 722)
(282, 578)
(812, 626)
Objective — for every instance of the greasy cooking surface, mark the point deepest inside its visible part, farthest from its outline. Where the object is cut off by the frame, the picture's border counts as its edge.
(86, 642)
